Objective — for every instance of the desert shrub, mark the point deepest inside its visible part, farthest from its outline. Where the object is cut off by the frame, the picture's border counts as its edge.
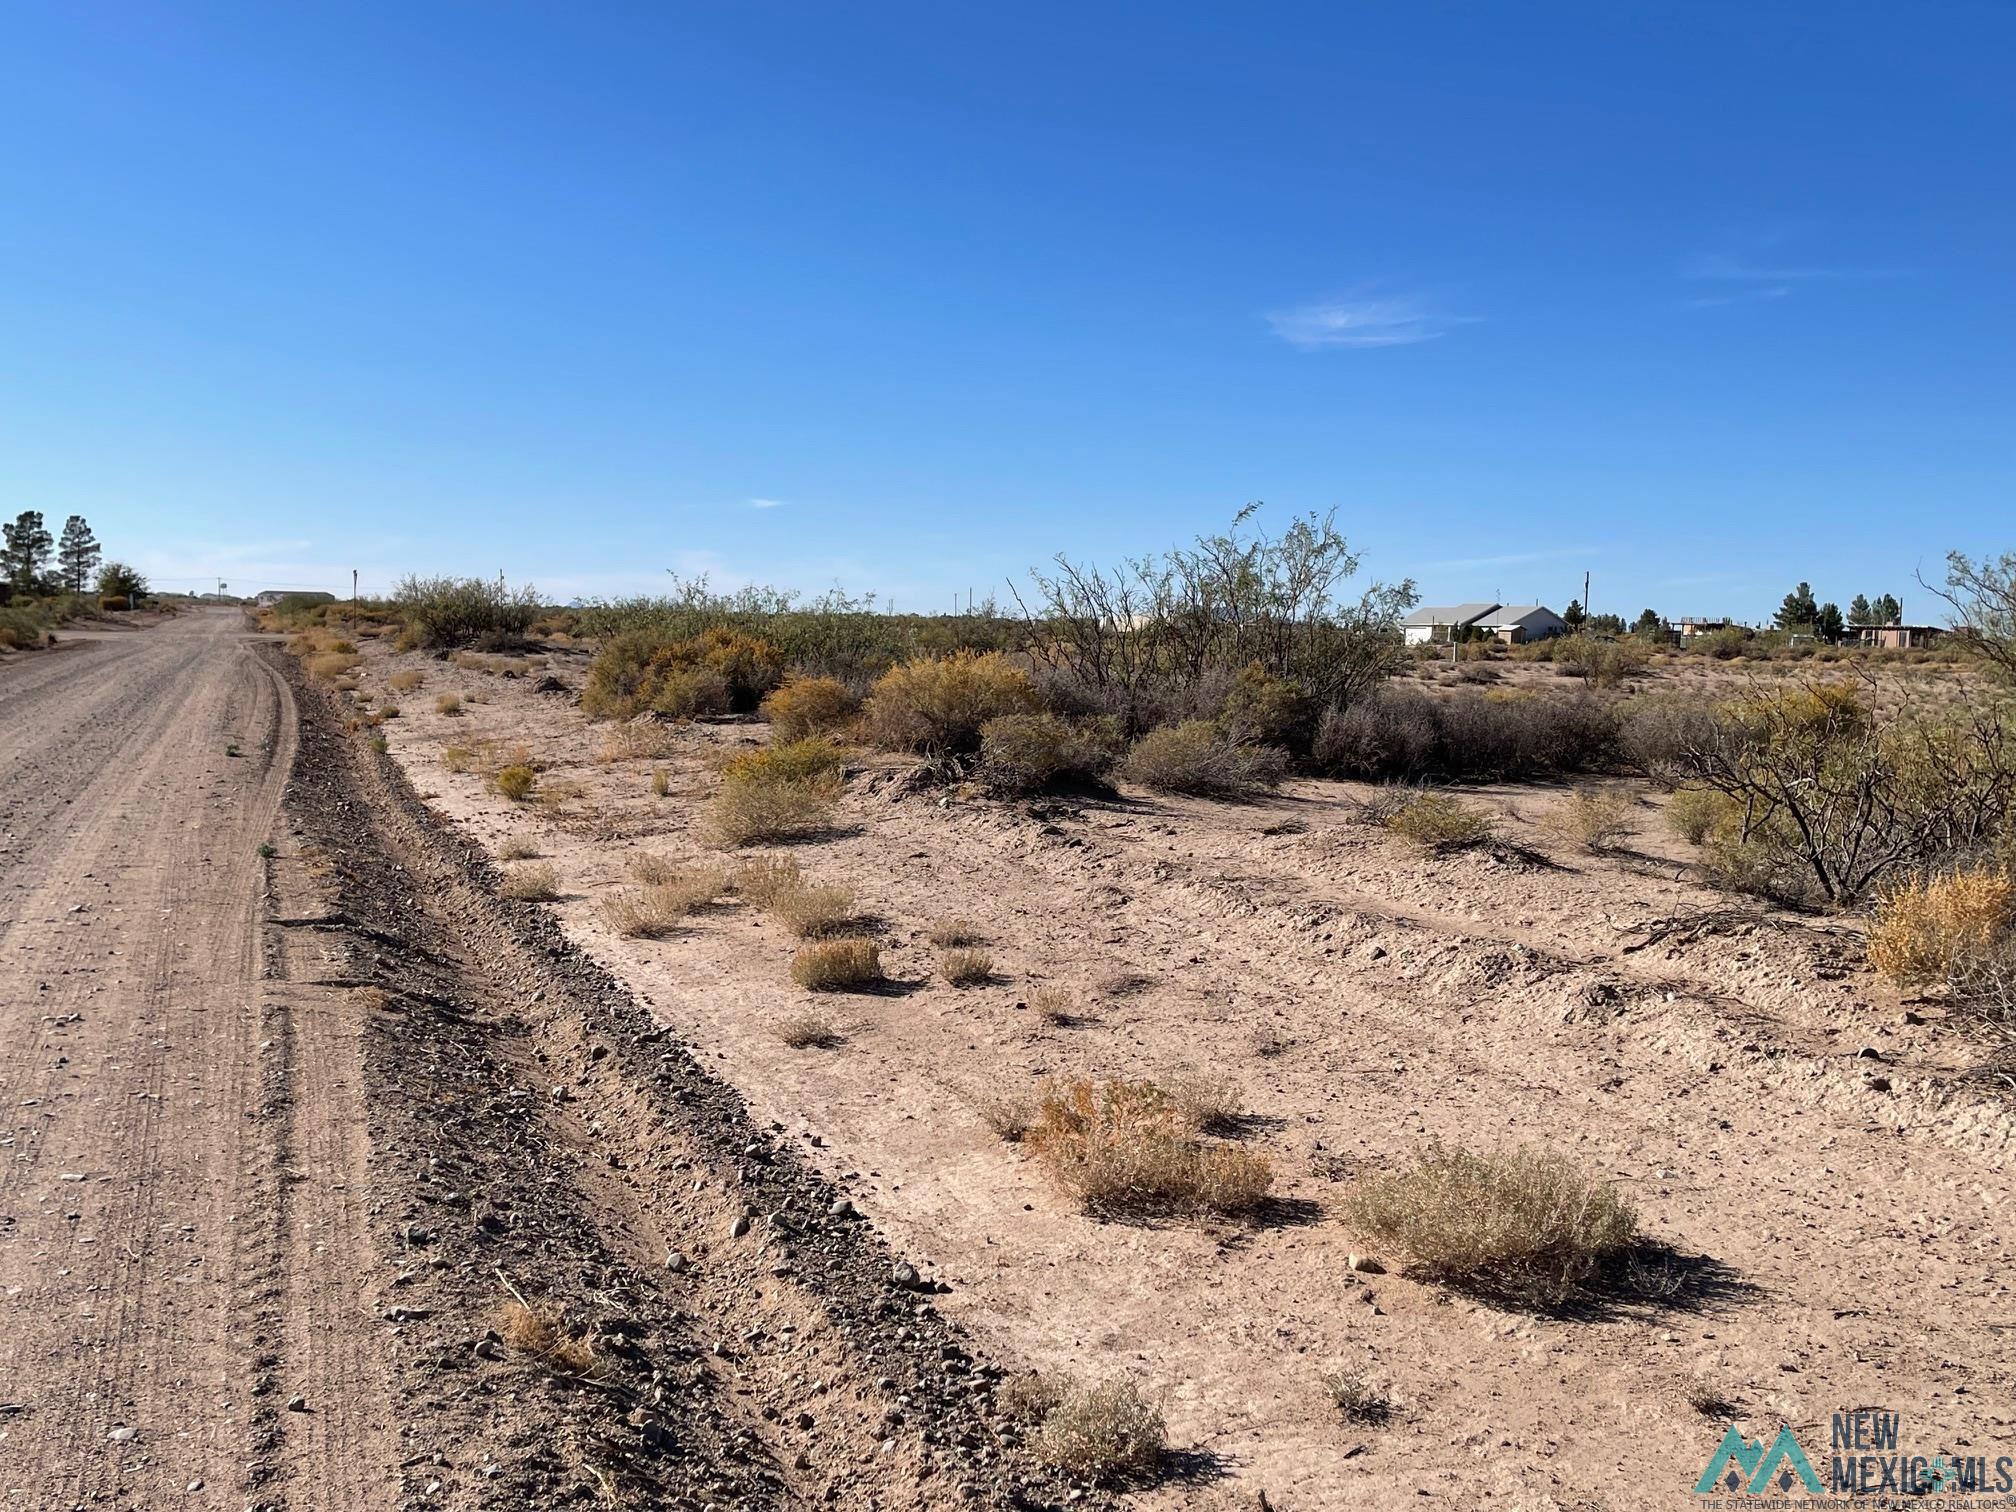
(1592, 819)
(1053, 1006)
(535, 882)
(745, 812)
(1930, 930)
(1654, 732)
(406, 682)
(457, 758)
(1356, 1398)
(849, 965)
(1262, 709)
(966, 968)
(1405, 735)
(1693, 812)
(808, 1031)
(715, 672)
(1124, 1148)
(449, 611)
(660, 908)
(809, 706)
(1198, 757)
(661, 783)
(1108, 1433)
(517, 848)
(1527, 1224)
(1603, 663)
(448, 703)
(1021, 753)
(22, 628)
(937, 705)
(810, 910)
(1440, 822)
(388, 710)
(639, 740)
(516, 781)
(1207, 1102)
(1007, 1114)
(762, 879)
(949, 934)
(333, 665)
(812, 762)
(1029, 1396)
(1827, 800)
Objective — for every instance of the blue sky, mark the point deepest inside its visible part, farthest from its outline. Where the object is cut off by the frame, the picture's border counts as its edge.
(1701, 298)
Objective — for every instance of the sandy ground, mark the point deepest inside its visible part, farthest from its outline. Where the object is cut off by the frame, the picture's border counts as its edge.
(1825, 1190)
(141, 1253)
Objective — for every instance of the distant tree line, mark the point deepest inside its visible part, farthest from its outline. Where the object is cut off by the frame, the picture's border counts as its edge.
(37, 564)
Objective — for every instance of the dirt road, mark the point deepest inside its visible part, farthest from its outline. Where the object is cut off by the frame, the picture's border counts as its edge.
(291, 1103)
(139, 775)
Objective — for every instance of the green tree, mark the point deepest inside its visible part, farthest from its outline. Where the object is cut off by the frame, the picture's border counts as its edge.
(117, 580)
(1888, 611)
(76, 554)
(1828, 624)
(1648, 623)
(1799, 610)
(1605, 624)
(26, 547)
(1574, 615)
(1859, 611)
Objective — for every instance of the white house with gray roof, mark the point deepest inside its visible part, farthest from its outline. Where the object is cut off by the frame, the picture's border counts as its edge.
(1511, 623)
(1442, 622)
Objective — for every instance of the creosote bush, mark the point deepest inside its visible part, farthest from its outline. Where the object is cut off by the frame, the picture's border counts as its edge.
(449, 611)
(848, 965)
(1110, 1434)
(534, 882)
(809, 706)
(811, 910)
(718, 671)
(966, 968)
(1693, 813)
(745, 812)
(1527, 1225)
(1197, 757)
(1439, 822)
(937, 705)
(1125, 1148)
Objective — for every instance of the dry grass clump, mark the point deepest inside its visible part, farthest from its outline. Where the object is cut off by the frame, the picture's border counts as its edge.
(1009, 1115)
(1930, 931)
(1028, 1397)
(949, 934)
(448, 703)
(457, 758)
(1023, 752)
(540, 1331)
(1125, 1148)
(661, 783)
(516, 781)
(810, 910)
(1527, 1225)
(1110, 1433)
(809, 706)
(1054, 1006)
(406, 682)
(1439, 822)
(966, 968)
(533, 882)
(517, 848)
(936, 705)
(331, 665)
(1208, 1103)
(639, 741)
(745, 812)
(812, 762)
(849, 965)
(1196, 757)
(761, 879)
(1357, 1398)
(659, 908)
(1593, 819)
(1694, 812)
(808, 1031)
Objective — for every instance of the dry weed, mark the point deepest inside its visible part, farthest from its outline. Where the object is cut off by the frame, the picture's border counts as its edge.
(1357, 1398)
(516, 781)
(1929, 930)
(1527, 1224)
(807, 1031)
(1592, 819)
(533, 882)
(1439, 822)
(761, 879)
(948, 934)
(1109, 1433)
(448, 703)
(406, 682)
(540, 1331)
(517, 848)
(1207, 1102)
(810, 911)
(966, 968)
(641, 741)
(745, 812)
(1124, 1148)
(1054, 1006)
(657, 910)
(850, 965)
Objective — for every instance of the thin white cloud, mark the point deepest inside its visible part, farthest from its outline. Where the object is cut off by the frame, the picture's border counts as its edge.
(766, 503)
(1360, 323)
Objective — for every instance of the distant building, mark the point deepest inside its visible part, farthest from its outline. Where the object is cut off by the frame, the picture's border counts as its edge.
(1515, 624)
(1691, 625)
(1897, 637)
(1444, 622)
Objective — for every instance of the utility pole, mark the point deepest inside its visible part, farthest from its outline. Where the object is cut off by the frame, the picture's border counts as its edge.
(353, 603)
(1585, 598)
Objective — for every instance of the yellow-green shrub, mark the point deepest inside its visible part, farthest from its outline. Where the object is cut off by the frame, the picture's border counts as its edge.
(1929, 930)
(516, 781)
(808, 706)
(717, 671)
(938, 704)
(1023, 752)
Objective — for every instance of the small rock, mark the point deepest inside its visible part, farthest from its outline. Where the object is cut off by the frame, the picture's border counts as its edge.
(842, 1208)
(1373, 951)
(1879, 1084)
(297, 1403)
(903, 1274)
(1913, 1017)
(676, 1262)
(1869, 1052)
(739, 1227)
(1365, 1265)
(123, 1435)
